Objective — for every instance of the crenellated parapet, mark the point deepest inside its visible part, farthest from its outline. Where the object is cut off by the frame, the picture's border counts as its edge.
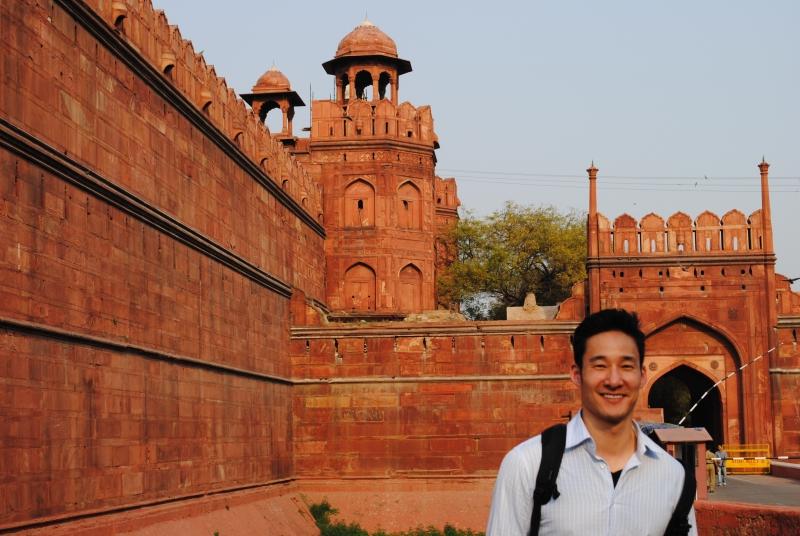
(148, 31)
(707, 234)
(382, 119)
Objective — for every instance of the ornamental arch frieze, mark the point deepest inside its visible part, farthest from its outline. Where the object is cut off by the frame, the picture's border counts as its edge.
(687, 356)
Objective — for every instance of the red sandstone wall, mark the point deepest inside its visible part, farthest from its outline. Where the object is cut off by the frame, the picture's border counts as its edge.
(144, 273)
(392, 403)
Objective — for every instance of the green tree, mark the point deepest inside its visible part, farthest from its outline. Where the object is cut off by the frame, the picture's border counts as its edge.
(511, 252)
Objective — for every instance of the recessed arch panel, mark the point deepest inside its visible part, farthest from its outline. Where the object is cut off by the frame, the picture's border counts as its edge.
(359, 204)
(410, 293)
(359, 288)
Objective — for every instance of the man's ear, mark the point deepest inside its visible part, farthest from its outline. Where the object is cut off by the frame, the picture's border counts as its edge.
(644, 377)
(575, 374)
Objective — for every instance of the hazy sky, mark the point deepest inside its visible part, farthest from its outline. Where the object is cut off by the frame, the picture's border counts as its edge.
(675, 101)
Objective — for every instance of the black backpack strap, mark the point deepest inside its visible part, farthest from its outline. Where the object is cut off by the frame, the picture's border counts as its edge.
(679, 522)
(554, 439)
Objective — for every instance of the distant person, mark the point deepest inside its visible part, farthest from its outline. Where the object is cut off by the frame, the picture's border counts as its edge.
(612, 479)
(722, 469)
(711, 470)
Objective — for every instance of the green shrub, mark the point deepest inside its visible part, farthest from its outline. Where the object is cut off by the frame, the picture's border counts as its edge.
(323, 511)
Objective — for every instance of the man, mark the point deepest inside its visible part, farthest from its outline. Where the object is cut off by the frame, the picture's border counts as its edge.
(722, 470)
(613, 479)
(711, 470)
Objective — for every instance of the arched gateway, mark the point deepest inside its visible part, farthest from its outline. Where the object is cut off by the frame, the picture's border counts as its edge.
(684, 358)
(676, 392)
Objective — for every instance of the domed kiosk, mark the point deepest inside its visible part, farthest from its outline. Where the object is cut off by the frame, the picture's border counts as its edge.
(273, 90)
(366, 65)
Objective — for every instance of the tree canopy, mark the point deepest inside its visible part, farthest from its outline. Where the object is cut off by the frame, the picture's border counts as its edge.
(511, 252)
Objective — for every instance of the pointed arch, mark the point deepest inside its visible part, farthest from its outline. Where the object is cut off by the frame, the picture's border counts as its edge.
(359, 288)
(409, 206)
(685, 340)
(359, 204)
(410, 294)
(727, 337)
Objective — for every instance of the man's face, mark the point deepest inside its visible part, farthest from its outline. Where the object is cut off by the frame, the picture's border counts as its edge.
(610, 378)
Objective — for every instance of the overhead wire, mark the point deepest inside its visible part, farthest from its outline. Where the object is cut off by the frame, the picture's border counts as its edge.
(624, 182)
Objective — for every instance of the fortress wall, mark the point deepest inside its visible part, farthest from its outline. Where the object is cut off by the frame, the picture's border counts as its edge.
(409, 404)
(146, 270)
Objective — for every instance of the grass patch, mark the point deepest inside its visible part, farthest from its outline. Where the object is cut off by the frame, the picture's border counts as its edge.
(323, 511)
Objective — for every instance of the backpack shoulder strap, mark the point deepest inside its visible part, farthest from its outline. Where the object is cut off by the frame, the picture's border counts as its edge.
(679, 522)
(554, 439)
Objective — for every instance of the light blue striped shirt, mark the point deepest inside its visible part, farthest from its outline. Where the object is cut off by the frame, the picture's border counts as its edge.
(641, 503)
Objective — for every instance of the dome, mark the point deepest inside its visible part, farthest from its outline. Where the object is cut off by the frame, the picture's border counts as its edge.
(366, 40)
(272, 80)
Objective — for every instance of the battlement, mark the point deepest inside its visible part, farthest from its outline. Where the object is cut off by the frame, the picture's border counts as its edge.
(446, 192)
(359, 117)
(148, 31)
(707, 234)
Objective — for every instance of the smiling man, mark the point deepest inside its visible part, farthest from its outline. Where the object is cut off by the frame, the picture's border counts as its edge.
(612, 479)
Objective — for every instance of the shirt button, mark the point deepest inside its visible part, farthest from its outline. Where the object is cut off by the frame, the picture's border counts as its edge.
(602, 466)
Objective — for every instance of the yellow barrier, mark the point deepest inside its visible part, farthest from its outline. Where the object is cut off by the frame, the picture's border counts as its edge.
(748, 465)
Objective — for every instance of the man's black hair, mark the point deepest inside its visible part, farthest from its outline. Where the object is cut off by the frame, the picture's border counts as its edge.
(603, 321)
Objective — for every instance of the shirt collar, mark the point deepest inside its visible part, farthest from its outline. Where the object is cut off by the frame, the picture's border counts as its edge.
(578, 434)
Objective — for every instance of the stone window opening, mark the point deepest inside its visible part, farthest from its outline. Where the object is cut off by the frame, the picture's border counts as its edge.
(119, 23)
(794, 336)
(360, 204)
(363, 85)
(345, 87)
(384, 86)
(386, 127)
(680, 247)
(652, 245)
(541, 343)
(735, 243)
(512, 342)
(273, 121)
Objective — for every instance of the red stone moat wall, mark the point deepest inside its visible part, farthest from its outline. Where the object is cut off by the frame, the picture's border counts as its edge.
(425, 400)
(146, 266)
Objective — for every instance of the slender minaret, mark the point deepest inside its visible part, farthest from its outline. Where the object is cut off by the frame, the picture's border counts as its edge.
(768, 251)
(766, 211)
(592, 248)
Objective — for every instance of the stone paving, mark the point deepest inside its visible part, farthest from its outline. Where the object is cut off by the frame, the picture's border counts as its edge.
(759, 489)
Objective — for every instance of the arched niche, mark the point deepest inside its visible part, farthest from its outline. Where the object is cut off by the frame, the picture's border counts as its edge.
(359, 288)
(653, 233)
(707, 231)
(359, 204)
(679, 233)
(686, 341)
(626, 240)
(410, 292)
(409, 206)
(734, 231)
